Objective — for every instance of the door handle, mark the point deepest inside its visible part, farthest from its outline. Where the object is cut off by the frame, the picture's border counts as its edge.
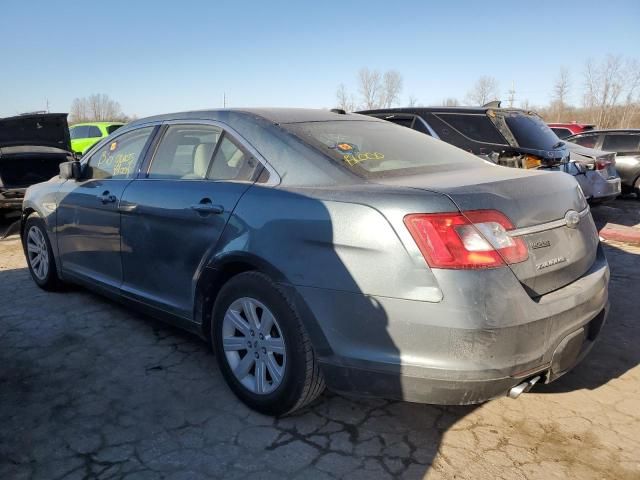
(206, 207)
(106, 197)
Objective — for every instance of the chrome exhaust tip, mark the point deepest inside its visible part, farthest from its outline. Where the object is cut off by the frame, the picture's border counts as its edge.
(523, 387)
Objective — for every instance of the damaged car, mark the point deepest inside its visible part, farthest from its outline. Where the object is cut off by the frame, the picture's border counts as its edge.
(31, 149)
(505, 136)
(314, 248)
(595, 171)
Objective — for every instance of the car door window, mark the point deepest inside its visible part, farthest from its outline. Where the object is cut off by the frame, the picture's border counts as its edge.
(78, 132)
(232, 163)
(93, 132)
(588, 141)
(185, 152)
(119, 157)
(620, 143)
(475, 127)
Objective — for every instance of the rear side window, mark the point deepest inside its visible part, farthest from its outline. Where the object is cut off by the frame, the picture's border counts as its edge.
(476, 127)
(93, 132)
(620, 142)
(118, 158)
(588, 141)
(378, 149)
(185, 152)
(112, 128)
(78, 132)
(232, 163)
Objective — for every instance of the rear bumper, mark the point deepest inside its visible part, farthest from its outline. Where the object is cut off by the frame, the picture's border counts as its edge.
(486, 336)
(605, 189)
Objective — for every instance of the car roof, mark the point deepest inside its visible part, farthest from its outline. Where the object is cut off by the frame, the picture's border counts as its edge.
(467, 109)
(272, 115)
(96, 124)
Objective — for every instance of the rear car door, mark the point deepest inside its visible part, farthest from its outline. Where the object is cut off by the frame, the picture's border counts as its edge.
(627, 148)
(175, 212)
(88, 220)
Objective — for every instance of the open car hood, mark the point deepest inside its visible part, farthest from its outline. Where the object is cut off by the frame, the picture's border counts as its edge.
(42, 130)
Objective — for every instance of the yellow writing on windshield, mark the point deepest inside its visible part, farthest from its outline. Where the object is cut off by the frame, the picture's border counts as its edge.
(353, 159)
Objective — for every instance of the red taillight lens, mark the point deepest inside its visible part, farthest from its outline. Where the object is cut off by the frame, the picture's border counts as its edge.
(473, 239)
(602, 164)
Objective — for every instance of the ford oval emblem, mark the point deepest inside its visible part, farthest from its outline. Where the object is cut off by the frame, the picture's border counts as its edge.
(572, 218)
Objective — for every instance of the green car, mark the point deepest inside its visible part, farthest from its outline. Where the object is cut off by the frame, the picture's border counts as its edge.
(86, 135)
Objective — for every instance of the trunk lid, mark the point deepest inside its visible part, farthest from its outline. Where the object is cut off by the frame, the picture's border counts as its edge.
(536, 203)
(43, 130)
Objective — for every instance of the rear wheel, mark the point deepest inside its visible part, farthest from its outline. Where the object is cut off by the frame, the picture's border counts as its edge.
(262, 348)
(39, 254)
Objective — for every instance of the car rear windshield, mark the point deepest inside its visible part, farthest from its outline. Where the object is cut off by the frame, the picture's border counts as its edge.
(530, 131)
(380, 149)
(112, 128)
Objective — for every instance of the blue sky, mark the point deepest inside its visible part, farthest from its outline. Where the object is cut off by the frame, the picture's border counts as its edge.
(156, 57)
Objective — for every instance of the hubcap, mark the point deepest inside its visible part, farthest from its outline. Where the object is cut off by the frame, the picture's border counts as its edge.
(253, 345)
(37, 253)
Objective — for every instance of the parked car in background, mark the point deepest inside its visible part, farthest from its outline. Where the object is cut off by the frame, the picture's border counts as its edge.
(319, 248)
(564, 130)
(86, 135)
(598, 178)
(31, 148)
(626, 144)
(506, 136)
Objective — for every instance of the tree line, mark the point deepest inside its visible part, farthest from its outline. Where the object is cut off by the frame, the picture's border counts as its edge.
(98, 107)
(609, 92)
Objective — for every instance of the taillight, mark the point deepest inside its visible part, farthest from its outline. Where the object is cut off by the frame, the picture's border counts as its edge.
(469, 240)
(602, 164)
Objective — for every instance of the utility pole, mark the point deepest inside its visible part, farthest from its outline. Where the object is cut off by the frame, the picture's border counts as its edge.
(47, 102)
(512, 94)
(224, 99)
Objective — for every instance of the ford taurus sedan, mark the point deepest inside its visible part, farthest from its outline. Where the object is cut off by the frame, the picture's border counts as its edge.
(317, 248)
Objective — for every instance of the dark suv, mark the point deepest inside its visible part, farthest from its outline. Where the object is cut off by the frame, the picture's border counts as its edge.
(509, 137)
(626, 144)
(512, 138)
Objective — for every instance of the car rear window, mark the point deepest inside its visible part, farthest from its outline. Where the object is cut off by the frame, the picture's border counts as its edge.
(530, 131)
(78, 132)
(620, 143)
(380, 149)
(562, 132)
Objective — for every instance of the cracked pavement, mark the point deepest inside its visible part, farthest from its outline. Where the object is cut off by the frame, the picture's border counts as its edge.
(90, 389)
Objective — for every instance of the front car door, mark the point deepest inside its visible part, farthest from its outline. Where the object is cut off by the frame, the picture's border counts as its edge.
(175, 212)
(88, 219)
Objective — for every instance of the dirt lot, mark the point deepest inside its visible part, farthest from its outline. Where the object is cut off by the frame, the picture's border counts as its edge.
(89, 389)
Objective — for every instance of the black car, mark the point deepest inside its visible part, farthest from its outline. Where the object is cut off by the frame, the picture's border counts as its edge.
(507, 136)
(31, 150)
(626, 144)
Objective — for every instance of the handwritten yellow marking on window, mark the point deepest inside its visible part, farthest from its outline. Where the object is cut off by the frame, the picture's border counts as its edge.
(123, 164)
(354, 159)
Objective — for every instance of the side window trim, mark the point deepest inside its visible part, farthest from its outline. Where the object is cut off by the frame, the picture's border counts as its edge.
(143, 154)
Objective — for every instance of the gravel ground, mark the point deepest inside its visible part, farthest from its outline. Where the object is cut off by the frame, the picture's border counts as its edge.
(89, 389)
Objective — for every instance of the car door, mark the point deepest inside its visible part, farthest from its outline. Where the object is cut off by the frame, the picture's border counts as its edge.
(627, 148)
(175, 212)
(88, 219)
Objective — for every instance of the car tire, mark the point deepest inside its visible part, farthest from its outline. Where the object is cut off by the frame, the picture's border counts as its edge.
(262, 348)
(39, 254)
(636, 188)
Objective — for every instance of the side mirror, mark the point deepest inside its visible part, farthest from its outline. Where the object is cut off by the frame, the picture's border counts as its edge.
(69, 170)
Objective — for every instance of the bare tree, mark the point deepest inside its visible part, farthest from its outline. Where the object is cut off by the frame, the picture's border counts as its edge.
(412, 102)
(631, 105)
(561, 93)
(450, 102)
(390, 89)
(370, 87)
(604, 83)
(345, 100)
(95, 108)
(485, 90)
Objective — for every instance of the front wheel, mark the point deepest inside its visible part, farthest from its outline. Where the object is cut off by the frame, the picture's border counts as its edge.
(263, 350)
(39, 254)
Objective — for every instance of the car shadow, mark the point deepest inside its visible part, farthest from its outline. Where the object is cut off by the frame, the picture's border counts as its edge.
(621, 211)
(616, 350)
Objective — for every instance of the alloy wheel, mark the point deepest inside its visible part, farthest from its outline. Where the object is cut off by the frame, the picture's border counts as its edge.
(38, 253)
(253, 345)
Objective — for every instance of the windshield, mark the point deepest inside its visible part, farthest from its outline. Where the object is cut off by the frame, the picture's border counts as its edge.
(531, 132)
(379, 149)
